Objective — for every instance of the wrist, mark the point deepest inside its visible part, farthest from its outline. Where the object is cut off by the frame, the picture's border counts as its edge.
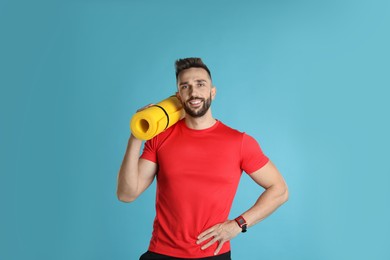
(134, 139)
(241, 222)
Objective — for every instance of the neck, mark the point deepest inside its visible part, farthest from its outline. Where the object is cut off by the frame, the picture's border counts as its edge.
(199, 123)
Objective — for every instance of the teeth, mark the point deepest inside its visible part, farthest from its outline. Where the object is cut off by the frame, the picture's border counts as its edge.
(195, 102)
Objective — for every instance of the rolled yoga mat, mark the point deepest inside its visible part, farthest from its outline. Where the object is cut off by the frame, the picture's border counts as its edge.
(153, 120)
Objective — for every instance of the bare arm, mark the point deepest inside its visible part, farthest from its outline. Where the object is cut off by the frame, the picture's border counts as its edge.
(135, 174)
(275, 194)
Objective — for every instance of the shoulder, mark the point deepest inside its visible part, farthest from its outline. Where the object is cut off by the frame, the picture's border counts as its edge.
(229, 130)
(164, 136)
(232, 132)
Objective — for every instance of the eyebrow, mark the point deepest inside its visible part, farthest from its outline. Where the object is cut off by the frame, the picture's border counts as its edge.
(198, 81)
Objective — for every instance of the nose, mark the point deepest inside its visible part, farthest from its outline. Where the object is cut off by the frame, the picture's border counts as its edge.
(191, 91)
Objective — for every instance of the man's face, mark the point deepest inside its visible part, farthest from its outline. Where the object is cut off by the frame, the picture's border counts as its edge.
(195, 91)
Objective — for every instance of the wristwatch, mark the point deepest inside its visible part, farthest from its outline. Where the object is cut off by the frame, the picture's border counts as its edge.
(241, 223)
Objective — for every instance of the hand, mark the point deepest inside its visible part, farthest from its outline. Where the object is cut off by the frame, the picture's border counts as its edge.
(145, 107)
(220, 233)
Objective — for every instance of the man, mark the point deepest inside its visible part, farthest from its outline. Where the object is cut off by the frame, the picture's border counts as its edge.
(198, 163)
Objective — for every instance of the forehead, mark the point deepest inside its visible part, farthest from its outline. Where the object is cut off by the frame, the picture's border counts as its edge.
(192, 74)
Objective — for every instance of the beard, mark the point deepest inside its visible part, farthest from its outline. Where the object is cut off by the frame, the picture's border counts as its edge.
(198, 112)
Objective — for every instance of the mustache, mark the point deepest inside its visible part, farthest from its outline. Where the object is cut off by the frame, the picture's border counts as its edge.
(193, 98)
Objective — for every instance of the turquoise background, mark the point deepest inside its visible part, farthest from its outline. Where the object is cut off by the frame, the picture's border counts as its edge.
(308, 79)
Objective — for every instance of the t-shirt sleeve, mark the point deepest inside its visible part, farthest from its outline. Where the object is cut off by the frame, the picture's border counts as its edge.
(252, 157)
(150, 150)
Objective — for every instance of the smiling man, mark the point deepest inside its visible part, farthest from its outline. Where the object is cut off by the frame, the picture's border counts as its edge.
(198, 163)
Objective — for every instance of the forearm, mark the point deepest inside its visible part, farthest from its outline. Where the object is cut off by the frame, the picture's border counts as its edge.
(268, 202)
(127, 189)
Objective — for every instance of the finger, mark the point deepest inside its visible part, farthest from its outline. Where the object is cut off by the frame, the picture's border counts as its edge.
(211, 242)
(204, 238)
(206, 232)
(145, 107)
(220, 244)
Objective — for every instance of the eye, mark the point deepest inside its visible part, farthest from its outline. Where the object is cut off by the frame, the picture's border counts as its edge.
(184, 86)
(201, 84)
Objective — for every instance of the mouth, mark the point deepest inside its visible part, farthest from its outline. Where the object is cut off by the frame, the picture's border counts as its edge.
(195, 102)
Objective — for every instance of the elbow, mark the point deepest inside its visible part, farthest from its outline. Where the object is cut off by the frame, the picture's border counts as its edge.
(281, 193)
(284, 194)
(125, 197)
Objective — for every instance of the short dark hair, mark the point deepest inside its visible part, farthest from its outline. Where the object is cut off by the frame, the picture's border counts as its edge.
(183, 64)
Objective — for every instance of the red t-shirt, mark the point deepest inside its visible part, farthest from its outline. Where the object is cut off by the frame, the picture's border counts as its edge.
(197, 178)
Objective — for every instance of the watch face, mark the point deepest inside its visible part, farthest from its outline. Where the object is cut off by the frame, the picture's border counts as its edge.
(241, 221)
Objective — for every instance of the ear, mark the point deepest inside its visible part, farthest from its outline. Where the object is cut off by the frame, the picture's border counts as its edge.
(213, 92)
(178, 95)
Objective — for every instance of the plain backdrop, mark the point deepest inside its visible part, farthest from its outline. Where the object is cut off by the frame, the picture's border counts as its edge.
(308, 79)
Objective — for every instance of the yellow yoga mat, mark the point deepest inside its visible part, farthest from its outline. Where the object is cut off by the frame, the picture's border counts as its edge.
(151, 121)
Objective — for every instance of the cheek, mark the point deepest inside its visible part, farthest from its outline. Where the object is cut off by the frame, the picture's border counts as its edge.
(181, 96)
